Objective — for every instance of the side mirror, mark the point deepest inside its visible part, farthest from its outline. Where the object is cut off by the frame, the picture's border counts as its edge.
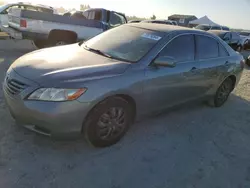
(165, 61)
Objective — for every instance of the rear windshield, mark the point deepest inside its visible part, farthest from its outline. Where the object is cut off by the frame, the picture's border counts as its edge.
(125, 42)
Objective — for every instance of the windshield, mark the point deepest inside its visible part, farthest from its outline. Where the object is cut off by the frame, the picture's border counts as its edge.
(125, 42)
(203, 27)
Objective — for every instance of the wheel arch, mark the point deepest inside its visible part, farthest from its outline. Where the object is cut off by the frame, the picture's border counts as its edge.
(125, 97)
(61, 32)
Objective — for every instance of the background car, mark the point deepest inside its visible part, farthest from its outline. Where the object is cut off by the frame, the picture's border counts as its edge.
(233, 39)
(26, 6)
(245, 36)
(158, 22)
(205, 27)
(99, 87)
(173, 22)
(134, 21)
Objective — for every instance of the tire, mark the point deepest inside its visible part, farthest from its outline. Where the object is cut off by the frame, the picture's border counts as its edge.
(102, 127)
(222, 93)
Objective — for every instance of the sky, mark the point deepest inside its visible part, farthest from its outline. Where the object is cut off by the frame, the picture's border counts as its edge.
(232, 13)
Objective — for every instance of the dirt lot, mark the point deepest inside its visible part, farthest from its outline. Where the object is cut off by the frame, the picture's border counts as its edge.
(190, 147)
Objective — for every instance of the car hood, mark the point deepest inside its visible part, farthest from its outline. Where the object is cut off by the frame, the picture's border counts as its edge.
(66, 63)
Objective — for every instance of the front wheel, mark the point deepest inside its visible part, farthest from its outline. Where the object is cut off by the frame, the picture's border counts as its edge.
(222, 93)
(108, 122)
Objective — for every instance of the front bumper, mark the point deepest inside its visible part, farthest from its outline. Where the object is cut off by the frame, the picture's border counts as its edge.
(56, 119)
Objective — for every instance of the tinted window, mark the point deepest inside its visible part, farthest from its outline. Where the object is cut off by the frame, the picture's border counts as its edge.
(225, 28)
(215, 28)
(235, 36)
(222, 50)
(177, 48)
(206, 47)
(116, 19)
(244, 33)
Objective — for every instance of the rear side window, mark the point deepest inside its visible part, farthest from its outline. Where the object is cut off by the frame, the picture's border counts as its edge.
(206, 47)
(222, 51)
(178, 51)
(235, 36)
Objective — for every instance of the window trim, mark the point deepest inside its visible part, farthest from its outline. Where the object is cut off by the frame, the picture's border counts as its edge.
(188, 33)
(181, 62)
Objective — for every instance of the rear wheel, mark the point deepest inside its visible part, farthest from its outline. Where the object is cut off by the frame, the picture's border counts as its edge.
(108, 122)
(222, 93)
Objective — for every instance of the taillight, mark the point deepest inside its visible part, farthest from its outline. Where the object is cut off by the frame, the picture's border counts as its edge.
(23, 23)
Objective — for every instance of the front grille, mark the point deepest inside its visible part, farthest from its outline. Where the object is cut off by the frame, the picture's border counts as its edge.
(14, 87)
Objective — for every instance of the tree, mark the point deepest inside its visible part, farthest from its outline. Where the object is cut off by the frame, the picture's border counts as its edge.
(61, 10)
(84, 7)
(153, 17)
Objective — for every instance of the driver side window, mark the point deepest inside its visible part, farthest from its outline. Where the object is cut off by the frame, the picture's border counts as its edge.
(177, 49)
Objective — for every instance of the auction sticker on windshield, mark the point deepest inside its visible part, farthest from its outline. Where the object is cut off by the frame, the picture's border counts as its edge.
(152, 37)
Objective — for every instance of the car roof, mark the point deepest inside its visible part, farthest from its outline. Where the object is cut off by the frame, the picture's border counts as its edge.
(166, 28)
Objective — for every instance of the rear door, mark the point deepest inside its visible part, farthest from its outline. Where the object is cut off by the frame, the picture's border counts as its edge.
(211, 56)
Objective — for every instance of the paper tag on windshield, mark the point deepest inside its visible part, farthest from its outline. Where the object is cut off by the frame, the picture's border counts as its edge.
(149, 36)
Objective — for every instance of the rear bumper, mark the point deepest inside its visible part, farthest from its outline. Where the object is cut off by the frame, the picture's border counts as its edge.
(14, 33)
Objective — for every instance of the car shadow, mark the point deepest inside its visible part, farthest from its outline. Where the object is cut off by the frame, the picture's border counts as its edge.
(185, 142)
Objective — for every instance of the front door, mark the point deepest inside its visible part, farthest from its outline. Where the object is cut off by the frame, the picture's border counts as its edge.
(164, 86)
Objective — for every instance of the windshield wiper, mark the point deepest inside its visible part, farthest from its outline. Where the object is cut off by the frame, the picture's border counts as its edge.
(97, 51)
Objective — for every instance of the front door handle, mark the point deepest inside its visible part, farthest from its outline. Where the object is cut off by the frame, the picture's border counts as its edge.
(227, 62)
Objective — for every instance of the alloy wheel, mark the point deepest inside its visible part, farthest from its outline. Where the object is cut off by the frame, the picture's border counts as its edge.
(111, 124)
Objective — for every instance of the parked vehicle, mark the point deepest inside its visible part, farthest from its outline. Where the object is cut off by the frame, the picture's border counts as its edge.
(245, 36)
(100, 86)
(158, 22)
(134, 21)
(173, 22)
(205, 27)
(59, 29)
(24, 6)
(233, 39)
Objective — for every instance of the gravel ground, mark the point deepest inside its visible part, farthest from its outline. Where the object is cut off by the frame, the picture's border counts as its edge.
(189, 147)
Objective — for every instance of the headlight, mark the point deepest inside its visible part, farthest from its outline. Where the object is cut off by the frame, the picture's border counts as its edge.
(55, 94)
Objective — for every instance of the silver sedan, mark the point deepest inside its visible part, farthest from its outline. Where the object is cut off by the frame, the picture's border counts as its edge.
(99, 87)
